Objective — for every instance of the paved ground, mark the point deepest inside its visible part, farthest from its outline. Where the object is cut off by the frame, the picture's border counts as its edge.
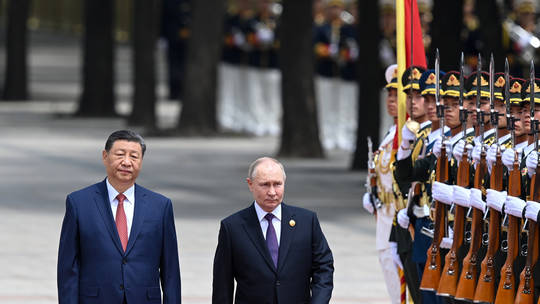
(44, 156)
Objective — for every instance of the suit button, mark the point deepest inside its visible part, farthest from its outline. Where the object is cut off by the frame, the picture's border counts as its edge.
(124, 261)
(278, 283)
(121, 286)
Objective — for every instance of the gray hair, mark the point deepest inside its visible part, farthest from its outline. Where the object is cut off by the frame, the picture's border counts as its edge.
(253, 166)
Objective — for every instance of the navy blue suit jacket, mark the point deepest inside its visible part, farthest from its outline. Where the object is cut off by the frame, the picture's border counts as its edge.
(305, 264)
(92, 266)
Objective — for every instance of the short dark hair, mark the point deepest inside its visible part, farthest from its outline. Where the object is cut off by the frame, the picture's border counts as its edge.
(125, 135)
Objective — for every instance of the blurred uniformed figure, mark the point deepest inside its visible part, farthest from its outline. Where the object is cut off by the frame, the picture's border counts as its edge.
(522, 37)
(233, 98)
(388, 31)
(348, 61)
(175, 21)
(334, 47)
(263, 75)
(382, 199)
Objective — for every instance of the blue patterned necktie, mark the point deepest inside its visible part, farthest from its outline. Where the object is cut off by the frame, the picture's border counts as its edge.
(271, 239)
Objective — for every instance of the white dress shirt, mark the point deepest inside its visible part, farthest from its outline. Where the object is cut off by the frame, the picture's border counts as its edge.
(276, 221)
(129, 203)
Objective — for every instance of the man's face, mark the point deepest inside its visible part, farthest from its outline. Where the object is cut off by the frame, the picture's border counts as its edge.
(451, 113)
(415, 102)
(431, 107)
(267, 185)
(486, 108)
(501, 109)
(391, 102)
(526, 118)
(123, 162)
(516, 113)
(470, 105)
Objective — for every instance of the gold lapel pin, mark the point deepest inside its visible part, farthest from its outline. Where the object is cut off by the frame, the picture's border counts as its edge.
(292, 223)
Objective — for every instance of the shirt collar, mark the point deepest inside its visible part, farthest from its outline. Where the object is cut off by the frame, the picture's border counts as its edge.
(504, 139)
(522, 145)
(425, 124)
(129, 193)
(261, 213)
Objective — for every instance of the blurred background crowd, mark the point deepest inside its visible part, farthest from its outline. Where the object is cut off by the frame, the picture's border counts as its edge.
(248, 69)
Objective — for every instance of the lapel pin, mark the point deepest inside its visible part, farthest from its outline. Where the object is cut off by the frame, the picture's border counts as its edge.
(292, 223)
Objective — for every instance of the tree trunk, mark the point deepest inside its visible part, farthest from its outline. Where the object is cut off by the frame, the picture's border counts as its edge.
(98, 60)
(300, 129)
(369, 81)
(16, 81)
(490, 32)
(446, 29)
(198, 115)
(145, 31)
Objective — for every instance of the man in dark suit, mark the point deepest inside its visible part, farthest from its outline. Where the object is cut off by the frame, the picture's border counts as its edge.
(276, 253)
(118, 239)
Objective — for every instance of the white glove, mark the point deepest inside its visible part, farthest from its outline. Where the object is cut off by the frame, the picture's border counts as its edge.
(395, 255)
(495, 199)
(366, 202)
(442, 192)
(459, 148)
(514, 206)
(446, 242)
(437, 147)
(265, 35)
(462, 196)
(531, 212)
(508, 157)
(403, 218)
(407, 137)
(531, 163)
(476, 200)
(476, 153)
(491, 156)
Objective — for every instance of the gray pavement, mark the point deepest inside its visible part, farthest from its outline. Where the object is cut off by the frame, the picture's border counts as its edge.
(44, 156)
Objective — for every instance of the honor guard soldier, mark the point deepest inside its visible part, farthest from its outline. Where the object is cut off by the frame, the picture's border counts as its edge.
(455, 190)
(333, 110)
(521, 110)
(262, 35)
(414, 137)
(234, 100)
(263, 78)
(529, 153)
(382, 200)
(417, 213)
(175, 22)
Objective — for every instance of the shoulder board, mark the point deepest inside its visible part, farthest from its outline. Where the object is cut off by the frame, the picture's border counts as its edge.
(489, 140)
(423, 133)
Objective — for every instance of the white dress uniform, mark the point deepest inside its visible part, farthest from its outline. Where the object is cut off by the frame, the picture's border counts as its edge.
(385, 217)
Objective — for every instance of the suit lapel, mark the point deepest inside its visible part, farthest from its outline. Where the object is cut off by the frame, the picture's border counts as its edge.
(138, 217)
(287, 234)
(104, 206)
(253, 229)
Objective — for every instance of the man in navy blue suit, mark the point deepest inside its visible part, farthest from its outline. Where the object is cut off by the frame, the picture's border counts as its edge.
(277, 253)
(118, 239)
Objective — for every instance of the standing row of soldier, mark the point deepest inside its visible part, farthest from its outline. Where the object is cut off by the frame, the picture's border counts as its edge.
(249, 79)
(457, 210)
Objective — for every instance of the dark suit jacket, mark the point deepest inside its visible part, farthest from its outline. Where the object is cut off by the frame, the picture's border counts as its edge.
(92, 266)
(305, 264)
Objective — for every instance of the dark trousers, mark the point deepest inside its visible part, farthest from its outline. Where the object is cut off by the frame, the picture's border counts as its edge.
(411, 276)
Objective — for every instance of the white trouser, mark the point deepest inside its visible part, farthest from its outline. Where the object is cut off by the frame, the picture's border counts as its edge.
(348, 115)
(327, 90)
(390, 273)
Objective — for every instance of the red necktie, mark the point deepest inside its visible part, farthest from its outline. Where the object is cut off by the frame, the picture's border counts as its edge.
(121, 222)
